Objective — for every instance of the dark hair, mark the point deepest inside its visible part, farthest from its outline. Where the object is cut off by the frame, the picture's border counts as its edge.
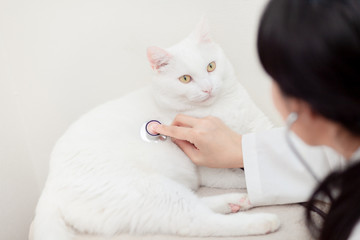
(311, 48)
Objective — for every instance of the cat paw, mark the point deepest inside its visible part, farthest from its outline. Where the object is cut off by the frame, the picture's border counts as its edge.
(265, 223)
(240, 202)
(228, 203)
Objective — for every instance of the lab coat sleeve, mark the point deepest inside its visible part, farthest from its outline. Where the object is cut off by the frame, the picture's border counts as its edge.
(273, 173)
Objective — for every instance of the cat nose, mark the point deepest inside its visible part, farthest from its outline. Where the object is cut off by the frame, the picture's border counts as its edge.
(208, 91)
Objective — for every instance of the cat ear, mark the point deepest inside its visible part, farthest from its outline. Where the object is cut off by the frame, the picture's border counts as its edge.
(201, 34)
(158, 58)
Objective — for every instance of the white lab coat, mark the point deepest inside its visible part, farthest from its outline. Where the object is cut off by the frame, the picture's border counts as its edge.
(274, 175)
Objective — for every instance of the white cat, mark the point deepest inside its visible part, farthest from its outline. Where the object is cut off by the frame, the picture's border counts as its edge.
(104, 179)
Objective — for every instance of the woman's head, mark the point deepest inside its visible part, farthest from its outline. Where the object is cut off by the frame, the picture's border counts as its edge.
(311, 48)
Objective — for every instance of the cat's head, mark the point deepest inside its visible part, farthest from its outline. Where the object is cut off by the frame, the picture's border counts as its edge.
(190, 74)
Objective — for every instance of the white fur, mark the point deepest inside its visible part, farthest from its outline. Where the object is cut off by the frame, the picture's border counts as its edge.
(104, 179)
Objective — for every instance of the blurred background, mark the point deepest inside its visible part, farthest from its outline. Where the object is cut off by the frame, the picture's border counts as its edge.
(61, 58)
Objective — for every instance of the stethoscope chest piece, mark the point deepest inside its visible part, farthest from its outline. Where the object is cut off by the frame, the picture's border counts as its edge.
(148, 134)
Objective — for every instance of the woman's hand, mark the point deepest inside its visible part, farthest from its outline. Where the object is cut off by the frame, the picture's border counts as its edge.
(206, 141)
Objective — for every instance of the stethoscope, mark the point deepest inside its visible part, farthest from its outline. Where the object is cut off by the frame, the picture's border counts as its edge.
(148, 134)
(291, 119)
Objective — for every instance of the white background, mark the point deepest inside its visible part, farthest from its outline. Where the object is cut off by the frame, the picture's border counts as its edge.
(59, 59)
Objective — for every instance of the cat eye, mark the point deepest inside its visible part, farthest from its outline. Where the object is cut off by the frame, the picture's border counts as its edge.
(211, 67)
(185, 79)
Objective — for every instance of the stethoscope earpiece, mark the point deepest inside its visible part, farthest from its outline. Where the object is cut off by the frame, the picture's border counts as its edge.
(291, 119)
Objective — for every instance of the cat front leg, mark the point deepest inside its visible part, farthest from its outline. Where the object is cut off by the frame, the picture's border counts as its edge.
(171, 208)
(228, 203)
(222, 177)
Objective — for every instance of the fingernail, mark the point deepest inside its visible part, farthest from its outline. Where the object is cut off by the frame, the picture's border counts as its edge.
(151, 127)
(156, 128)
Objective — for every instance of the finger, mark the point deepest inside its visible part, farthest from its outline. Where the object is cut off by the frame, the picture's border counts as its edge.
(182, 133)
(189, 149)
(185, 121)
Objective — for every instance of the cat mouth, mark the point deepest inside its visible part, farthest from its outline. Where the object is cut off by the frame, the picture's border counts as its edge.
(206, 99)
(203, 100)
